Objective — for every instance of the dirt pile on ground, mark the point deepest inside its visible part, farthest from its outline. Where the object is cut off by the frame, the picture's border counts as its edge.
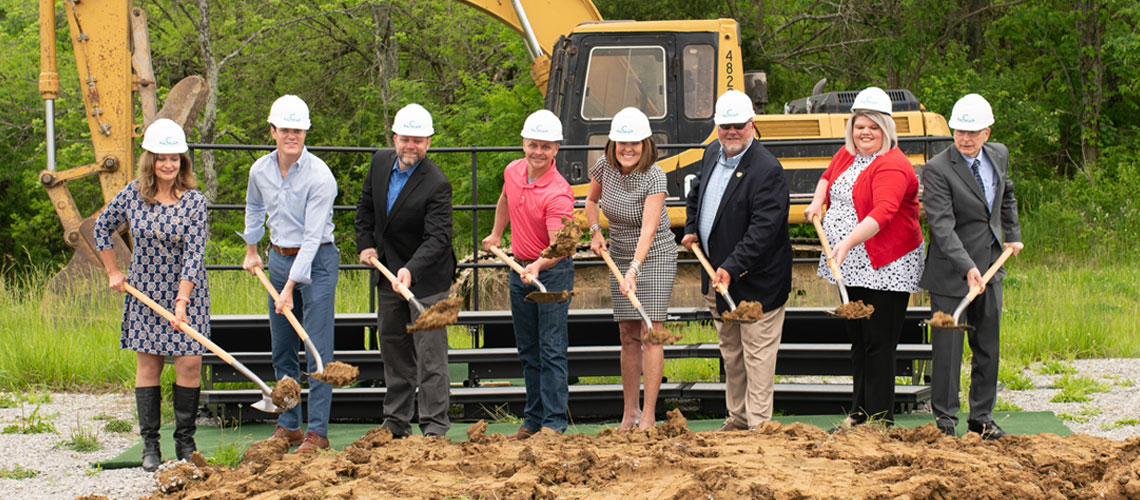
(337, 373)
(745, 312)
(854, 310)
(439, 315)
(669, 461)
(565, 239)
(286, 393)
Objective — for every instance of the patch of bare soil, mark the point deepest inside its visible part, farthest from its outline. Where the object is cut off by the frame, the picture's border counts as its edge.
(775, 461)
(745, 312)
(439, 315)
(854, 310)
(565, 239)
(337, 373)
(286, 393)
(941, 320)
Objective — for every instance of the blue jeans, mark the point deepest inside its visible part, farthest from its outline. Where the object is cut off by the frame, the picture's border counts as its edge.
(314, 306)
(540, 334)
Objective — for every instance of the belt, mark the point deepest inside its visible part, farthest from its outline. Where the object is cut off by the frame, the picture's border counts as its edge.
(524, 262)
(291, 251)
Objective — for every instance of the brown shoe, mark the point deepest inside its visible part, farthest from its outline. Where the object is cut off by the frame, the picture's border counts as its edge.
(313, 442)
(731, 425)
(521, 434)
(294, 437)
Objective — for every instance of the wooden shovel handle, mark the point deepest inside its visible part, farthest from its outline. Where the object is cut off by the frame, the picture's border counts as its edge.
(620, 279)
(977, 290)
(708, 268)
(276, 296)
(408, 295)
(511, 262)
(826, 248)
(142, 297)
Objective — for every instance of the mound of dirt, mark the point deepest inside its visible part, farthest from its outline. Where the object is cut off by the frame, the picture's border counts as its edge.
(287, 393)
(941, 320)
(745, 312)
(439, 315)
(337, 373)
(854, 310)
(775, 461)
(565, 239)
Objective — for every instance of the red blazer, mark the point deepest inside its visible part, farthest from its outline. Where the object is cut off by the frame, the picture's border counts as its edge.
(888, 192)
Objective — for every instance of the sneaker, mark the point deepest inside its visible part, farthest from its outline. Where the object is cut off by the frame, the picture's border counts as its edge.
(313, 442)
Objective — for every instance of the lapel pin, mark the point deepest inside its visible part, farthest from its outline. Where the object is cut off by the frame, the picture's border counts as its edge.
(740, 174)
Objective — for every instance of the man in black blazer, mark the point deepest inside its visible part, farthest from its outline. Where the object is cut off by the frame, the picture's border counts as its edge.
(969, 203)
(403, 219)
(737, 211)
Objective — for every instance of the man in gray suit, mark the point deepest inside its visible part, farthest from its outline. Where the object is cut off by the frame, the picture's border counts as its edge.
(969, 203)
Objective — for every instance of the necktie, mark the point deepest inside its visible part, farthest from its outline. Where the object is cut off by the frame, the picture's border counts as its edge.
(977, 175)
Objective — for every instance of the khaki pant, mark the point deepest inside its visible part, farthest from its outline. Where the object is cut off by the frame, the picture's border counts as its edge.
(749, 353)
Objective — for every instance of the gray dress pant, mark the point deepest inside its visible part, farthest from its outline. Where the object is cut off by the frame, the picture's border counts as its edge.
(411, 361)
(985, 341)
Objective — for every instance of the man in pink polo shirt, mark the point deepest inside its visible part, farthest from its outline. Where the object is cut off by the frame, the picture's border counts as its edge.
(535, 198)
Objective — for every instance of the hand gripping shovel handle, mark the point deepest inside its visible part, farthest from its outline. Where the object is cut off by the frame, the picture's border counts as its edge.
(142, 297)
(292, 319)
(628, 294)
(830, 261)
(517, 268)
(977, 290)
(712, 274)
(408, 295)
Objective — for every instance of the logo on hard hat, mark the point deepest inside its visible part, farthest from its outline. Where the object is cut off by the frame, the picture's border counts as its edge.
(730, 112)
(292, 117)
(540, 129)
(625, 130)
(168, 141)
(966, 118)
(412, 124)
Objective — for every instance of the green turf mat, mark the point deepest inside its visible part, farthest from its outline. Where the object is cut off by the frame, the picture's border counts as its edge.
(212, 439)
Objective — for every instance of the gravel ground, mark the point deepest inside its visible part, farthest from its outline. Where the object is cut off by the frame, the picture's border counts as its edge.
(66, 474)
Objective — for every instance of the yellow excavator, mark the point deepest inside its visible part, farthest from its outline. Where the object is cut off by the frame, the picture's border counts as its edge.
(588, 69)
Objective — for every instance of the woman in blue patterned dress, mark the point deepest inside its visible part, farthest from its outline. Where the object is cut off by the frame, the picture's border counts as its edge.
(167, 219)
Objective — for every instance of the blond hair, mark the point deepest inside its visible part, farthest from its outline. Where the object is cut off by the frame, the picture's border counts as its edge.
(885, 123)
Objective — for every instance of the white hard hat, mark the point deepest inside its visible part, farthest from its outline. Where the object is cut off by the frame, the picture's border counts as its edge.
(542, 125)
(289, 111)
(413, 120)
(629, 125)
(164, 137)
(872, 99)
(971, 113)
(733, 106)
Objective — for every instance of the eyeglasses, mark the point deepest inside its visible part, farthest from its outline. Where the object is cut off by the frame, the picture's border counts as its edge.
(737, 126)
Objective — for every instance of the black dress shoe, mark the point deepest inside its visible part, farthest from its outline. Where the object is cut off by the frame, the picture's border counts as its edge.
(947, 430)
(988, 430)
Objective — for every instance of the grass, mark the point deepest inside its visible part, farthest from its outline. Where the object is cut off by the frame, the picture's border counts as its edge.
(501, 414)
(33, 423)
(1076, 388)
(1003, 405)
(1011, 375)
(1053, 366)
(1081, 416)
(83, 440)
(1129, 422)
(118, 426)
(17, 472)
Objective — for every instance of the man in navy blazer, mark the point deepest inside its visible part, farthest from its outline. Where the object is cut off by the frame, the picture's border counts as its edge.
(737, 211)
(968, 197)
(403, 219)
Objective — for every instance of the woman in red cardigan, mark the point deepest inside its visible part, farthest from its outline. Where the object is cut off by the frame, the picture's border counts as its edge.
(871, 192)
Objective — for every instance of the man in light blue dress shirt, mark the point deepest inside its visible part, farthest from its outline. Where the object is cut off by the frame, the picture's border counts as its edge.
(296, 190)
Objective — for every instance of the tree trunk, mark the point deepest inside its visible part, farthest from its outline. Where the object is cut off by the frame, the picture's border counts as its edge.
(1090, 39)
(208, 123)
(386, 59)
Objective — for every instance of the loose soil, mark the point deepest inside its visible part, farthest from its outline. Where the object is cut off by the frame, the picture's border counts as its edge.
(558, 297)
(745, 312)
(439, 315)
(565, 239)
(337, 373)
(941, 320)
(661, 336)
(669, 461)
(854, 310)
(287, 393)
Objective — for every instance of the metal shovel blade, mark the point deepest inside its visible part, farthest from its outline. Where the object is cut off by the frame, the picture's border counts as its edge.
(266, 405)
(542, 295)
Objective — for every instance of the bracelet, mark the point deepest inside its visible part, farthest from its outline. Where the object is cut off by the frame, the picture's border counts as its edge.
(182, 298)
(595, 228)
(635, 266)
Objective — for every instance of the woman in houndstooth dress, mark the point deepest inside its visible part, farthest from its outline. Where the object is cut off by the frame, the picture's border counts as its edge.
(629, 187)
(167, 220)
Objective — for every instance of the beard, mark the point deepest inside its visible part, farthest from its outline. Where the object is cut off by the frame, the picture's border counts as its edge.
(409, 159)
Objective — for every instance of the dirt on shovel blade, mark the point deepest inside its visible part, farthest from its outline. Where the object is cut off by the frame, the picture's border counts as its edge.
(337, 373)
(559, 297)
(565, 240)
(854, 310)
(941, 320)
(745, 312)
(661, 336)
(287, 393)
(439, 315)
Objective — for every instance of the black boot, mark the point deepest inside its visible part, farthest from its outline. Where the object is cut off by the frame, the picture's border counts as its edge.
(148, 400)
(185, 414)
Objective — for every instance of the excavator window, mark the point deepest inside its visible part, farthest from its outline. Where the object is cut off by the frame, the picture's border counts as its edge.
(618, 77)
(699, 63)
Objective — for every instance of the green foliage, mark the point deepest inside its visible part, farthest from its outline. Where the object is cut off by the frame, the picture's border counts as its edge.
(1003, 405)
(500, 414)
(17, 472)
(117, 425)
(1082, 416)
(229, 451)
(1129, 422)
(82, 439)
(1012, 376)
(1053, 366)
(33, 423)
(1076, 388)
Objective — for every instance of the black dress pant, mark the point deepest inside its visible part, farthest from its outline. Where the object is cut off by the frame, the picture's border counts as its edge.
(874, 341)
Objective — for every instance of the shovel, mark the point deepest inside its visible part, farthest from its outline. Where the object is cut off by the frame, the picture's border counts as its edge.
(411, 298)
(266, 403)
(844, 310)
(541, 295)
(719, 286)
(628, 294)
(939, 319)
(296, 324)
